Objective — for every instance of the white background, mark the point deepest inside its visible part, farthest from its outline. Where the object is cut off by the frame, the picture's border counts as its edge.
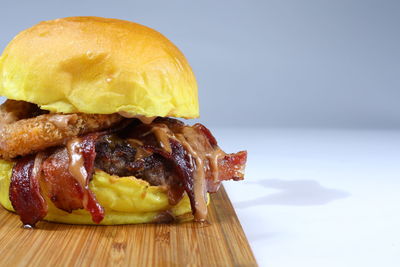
(319, 197)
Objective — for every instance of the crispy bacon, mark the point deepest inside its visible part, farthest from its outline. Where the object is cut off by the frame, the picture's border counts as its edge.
(25, 193)
(64, 189)
(88, 150)
(206, 132)
(181, 163)
(230, 167)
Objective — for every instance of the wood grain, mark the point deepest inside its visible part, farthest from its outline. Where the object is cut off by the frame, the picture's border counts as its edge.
(219, 243)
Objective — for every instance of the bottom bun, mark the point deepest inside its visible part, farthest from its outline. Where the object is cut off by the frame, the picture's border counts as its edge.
(126, 200)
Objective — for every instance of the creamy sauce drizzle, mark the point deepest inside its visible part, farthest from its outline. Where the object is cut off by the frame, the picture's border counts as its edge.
(62, 121)
(37, 165)
(143, 119)
(163, 134)
(202, 146)
(199, 181)
(204, 158)
(135, 142)
(213, 159)
(76, 161)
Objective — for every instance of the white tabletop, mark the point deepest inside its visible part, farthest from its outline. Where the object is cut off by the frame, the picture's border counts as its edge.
(318, 197)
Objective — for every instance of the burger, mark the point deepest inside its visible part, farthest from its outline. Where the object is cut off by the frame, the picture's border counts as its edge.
(89, 133)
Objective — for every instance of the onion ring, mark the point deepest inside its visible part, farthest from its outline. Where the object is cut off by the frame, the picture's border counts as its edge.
(26, 136)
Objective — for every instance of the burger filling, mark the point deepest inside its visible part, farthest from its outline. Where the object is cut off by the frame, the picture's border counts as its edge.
(56, 155)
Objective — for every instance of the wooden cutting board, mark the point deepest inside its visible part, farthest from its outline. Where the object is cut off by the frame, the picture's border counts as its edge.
(219, 243)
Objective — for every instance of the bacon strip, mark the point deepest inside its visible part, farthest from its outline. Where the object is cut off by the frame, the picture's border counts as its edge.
(88, 150)
(189, 147)
(230, 167)
(181, 163)
(207, 133)
(65, 190)
(25, 192)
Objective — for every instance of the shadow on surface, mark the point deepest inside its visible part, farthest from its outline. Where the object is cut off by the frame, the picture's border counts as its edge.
(294, 193)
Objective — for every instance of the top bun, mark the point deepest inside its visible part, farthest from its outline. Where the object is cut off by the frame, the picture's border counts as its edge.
(98, 65)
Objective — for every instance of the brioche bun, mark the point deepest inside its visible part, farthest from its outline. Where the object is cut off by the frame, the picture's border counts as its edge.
(98, 66)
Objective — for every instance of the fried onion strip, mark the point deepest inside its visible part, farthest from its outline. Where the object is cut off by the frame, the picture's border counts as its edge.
(31, 135)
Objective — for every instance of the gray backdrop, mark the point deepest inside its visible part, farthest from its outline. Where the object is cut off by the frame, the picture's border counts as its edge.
(266, 63)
